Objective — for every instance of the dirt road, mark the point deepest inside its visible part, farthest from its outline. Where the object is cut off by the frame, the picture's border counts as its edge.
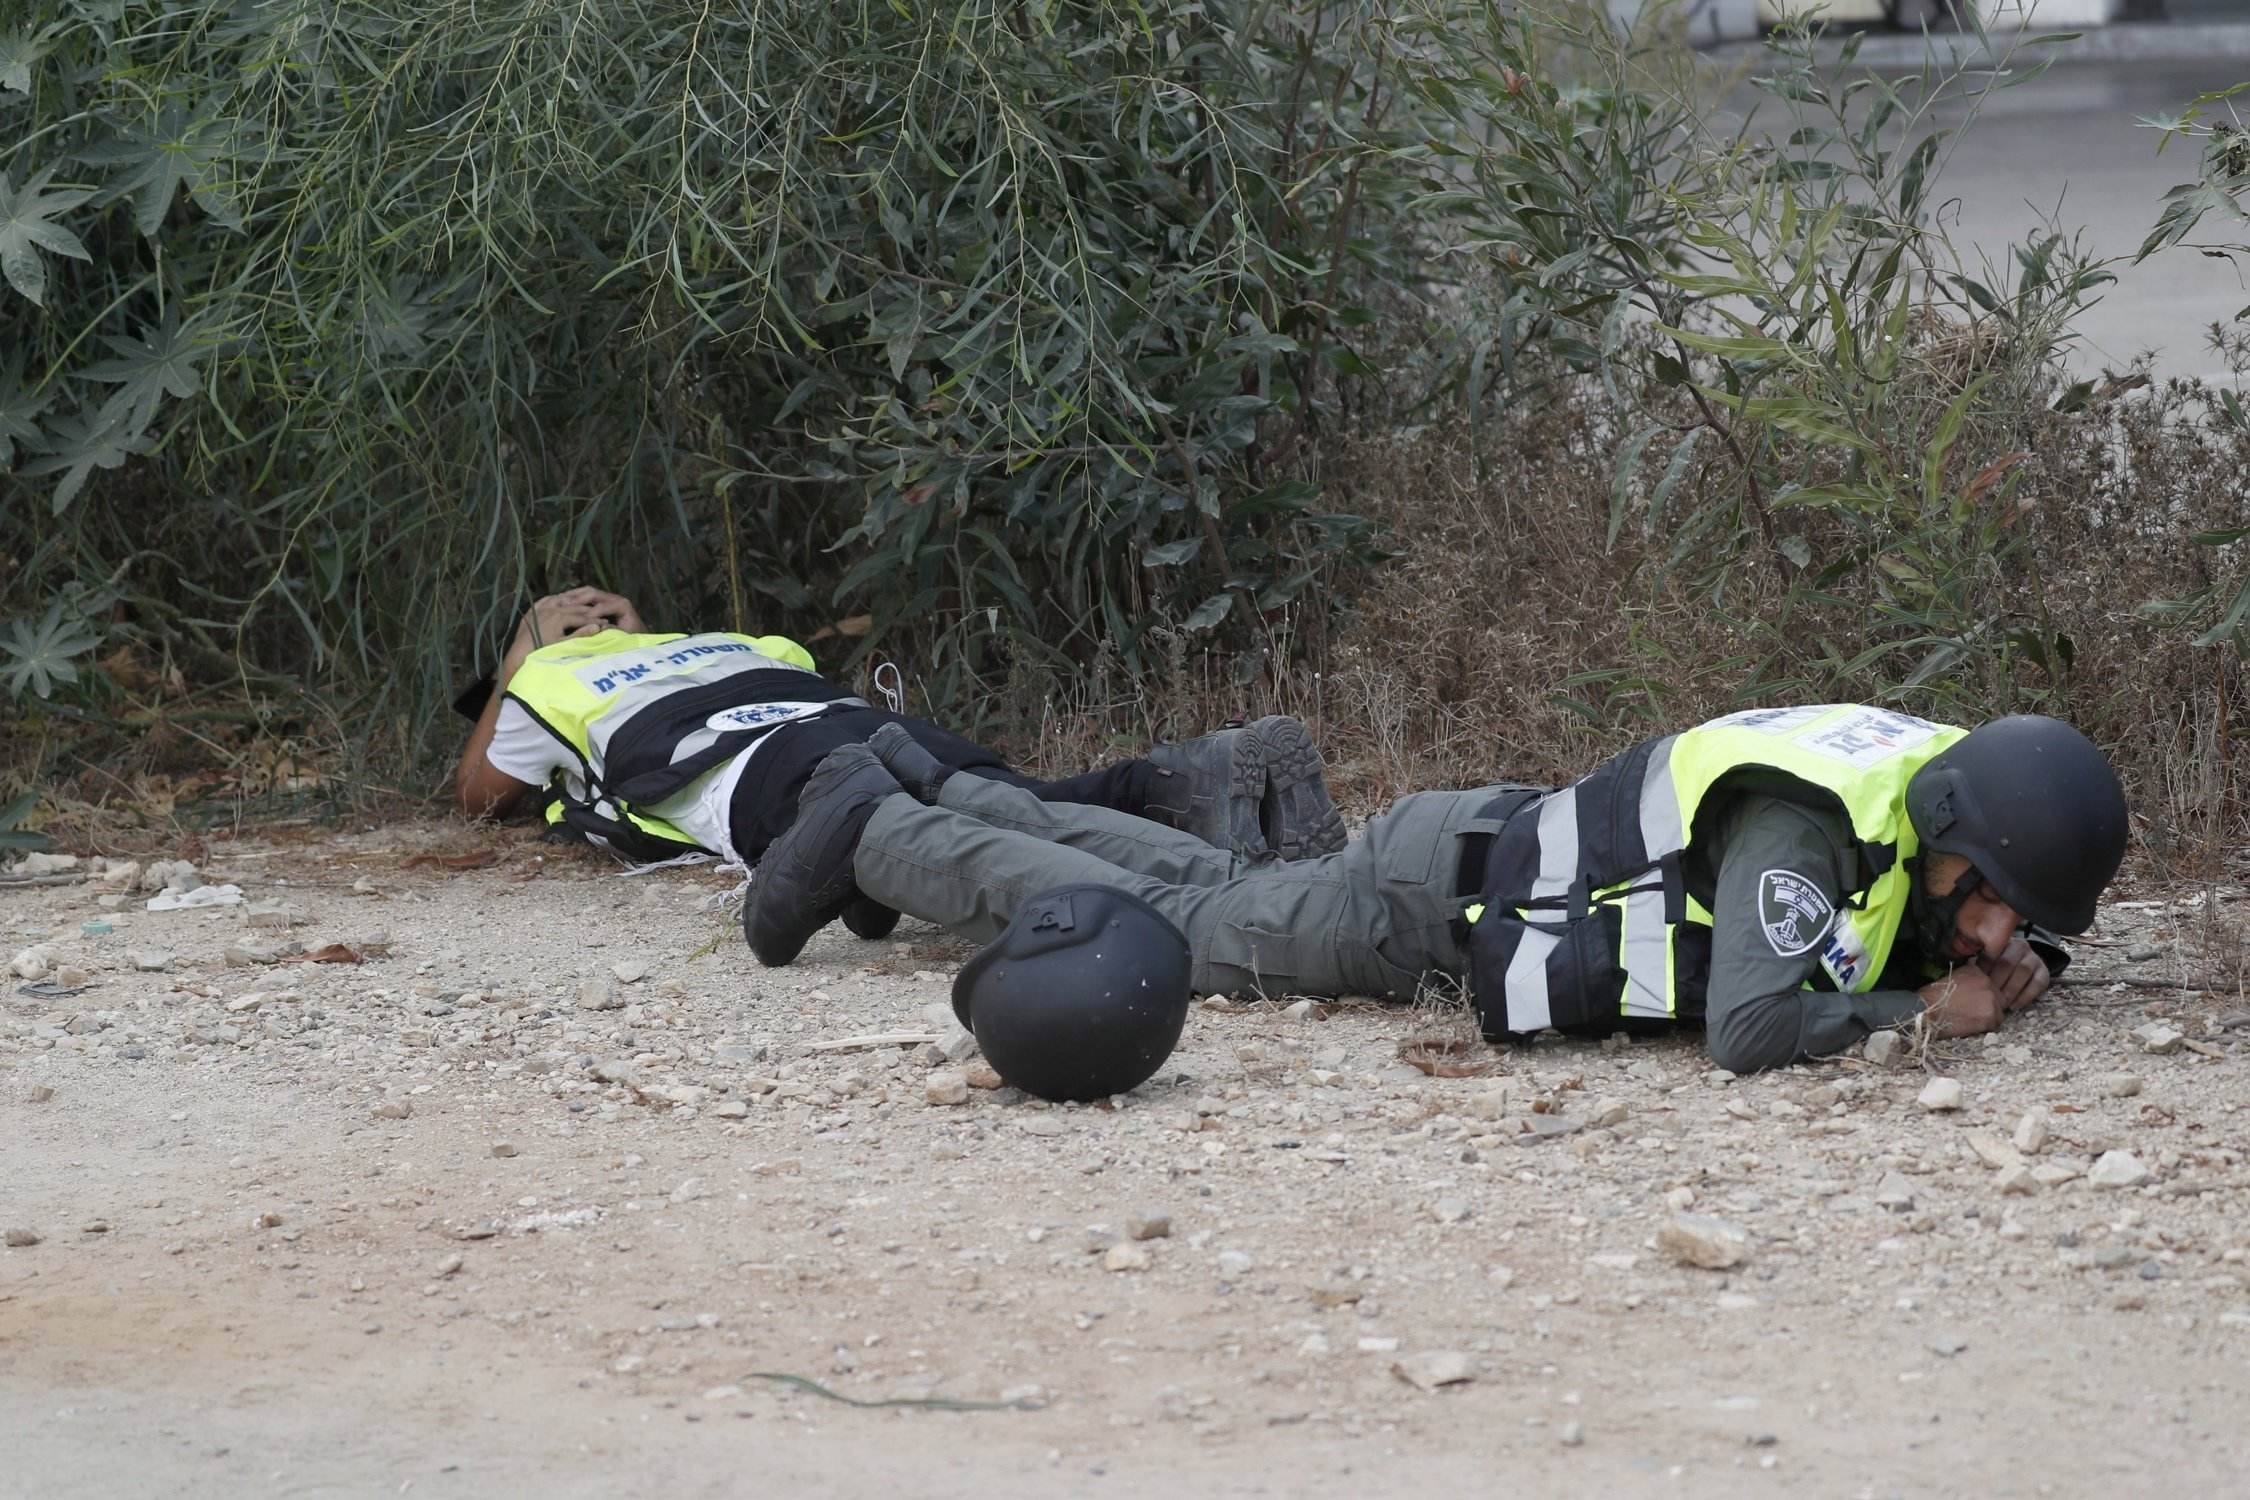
(526, 1201)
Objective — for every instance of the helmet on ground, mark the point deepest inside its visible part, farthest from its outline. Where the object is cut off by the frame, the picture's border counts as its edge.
(1081, 996)
(2033, 805)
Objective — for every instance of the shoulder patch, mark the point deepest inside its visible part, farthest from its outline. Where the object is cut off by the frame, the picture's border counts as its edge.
(1794, 911)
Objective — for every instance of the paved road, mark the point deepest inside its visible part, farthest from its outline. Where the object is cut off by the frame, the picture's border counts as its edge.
(2065, 147)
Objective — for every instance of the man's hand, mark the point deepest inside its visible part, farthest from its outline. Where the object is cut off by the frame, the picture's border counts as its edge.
(573, 612)
(1963, 1003)
(2019, 976)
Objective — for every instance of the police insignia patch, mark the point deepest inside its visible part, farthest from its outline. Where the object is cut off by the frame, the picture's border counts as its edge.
(1793, 911)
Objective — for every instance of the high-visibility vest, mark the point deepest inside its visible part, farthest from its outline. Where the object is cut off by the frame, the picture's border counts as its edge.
(645, 715)
(1584, 919)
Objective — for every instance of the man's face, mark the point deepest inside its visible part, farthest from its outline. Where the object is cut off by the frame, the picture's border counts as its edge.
(1985, 922)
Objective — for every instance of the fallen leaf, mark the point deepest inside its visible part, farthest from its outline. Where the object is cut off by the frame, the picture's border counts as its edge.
(476, 860)
(1439, 1057)
(334, 953)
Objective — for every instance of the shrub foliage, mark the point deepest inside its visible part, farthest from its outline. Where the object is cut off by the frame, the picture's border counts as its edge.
(335, 328)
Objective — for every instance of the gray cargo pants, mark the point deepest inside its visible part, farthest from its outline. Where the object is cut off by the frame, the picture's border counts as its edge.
(1370, 920)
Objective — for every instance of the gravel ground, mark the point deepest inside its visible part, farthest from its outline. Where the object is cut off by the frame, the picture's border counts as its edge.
(543, 1192)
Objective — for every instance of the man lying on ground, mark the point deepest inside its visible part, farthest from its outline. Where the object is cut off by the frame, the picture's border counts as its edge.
(658, 745)
(1797, 877)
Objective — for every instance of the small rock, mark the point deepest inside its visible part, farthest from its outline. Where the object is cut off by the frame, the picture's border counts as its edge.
(597, 993)
(34, 962)
(39, 1093)
(94, 1226)
(448, 1266)
(690, 1189)
(1148, 1227)
(1701, 1240)
(1940, 1095)
(392, 1109)
(982, 1075)
(630, 971)
(1433, 1368)
(2031, 1132)
(2119, 1085)
(1235, 1262)
(1126, 1257)
(1573, 1434)
(1449, 1210)
(1993, 1151)
(244, 955)
(2141, 953)
(1609, 1113)
(2015, 1181)
(44, 864)
(2118, 1169)
(1302, 1010)
(503, 1149)
(274, 916)
(2053, 1174)
(732, 1109)
(945, 1087)
(1895, 1193)
(22, 1239)
(1884, 1048)
(1492, 1104)
(148, 961)
(2158, 1039)
(1948, 1344)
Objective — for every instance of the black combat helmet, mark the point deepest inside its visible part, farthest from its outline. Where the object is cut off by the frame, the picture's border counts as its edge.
(2031, 803)
(1082, 996)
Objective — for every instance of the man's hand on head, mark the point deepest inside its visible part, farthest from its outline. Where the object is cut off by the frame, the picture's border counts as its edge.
(569, 614)
(2019, 975)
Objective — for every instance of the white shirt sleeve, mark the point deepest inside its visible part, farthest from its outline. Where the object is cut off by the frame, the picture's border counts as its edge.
(522, 749)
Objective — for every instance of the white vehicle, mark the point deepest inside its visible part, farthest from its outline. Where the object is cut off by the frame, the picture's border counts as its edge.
(1913, 15)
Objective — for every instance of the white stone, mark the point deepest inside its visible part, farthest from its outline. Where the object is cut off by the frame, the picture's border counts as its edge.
(630, 971)
(1701, 1240)
(1127, 1257)
(2119, 1085)
(2015, 1181)
(1449, 1210)
(1993, 1151)
(2158, 1038)
(2118, 1169)
(1609, 1113)
(2031, 1132)
(1235, 1262)
(1302, 1010)
(35, 961)
(597, 993)
(1894, 1192)
(1884, 1048)
(1432, 1368)
(945, 1087)
(1940, 1094)
(44, 864)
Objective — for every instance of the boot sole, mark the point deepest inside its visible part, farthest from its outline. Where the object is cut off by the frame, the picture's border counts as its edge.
(1298, 818)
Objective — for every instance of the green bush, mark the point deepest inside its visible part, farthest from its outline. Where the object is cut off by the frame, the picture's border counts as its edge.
(334, 329)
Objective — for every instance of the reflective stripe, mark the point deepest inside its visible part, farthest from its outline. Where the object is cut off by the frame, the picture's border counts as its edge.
(641, 695)
(1661, 832)
(1647, 956)
(1526, 984)
(1558, 844)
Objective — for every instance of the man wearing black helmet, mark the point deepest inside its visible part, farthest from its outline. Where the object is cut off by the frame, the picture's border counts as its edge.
(1796, 878)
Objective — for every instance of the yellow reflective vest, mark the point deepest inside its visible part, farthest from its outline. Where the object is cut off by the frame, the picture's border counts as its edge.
(1584, 918)
(644, 715)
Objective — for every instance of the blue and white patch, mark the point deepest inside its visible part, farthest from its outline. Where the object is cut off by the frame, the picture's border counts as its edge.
(761, 716)
(1795, 913)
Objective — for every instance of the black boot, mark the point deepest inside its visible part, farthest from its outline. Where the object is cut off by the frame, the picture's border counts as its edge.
(1256, 790)
(804, 881)
(916, 769)
(1210, 787)
(1296, 814)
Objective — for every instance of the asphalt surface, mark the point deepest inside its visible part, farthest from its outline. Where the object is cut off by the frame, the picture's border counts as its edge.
(2066, 150)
